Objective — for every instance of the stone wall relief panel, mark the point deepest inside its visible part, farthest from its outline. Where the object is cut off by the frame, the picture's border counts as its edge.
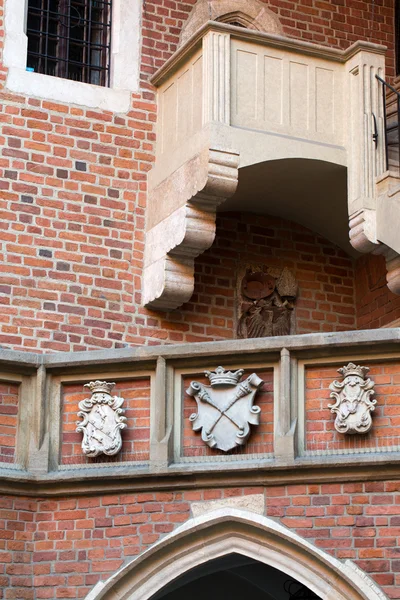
(353, 400)
(102, 420)
(265, 301)
(225, 408)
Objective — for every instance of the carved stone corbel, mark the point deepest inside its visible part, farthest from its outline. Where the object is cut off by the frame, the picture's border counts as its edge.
(191, 196)
(364, 238)
(362, 226)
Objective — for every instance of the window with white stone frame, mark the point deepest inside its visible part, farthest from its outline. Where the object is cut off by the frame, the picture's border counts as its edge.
(101, 71)
(70, 39)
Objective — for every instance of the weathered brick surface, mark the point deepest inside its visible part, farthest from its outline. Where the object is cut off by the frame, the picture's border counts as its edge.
(17, 531)
(64, 546)
(261, 439)
(136, 436)
(9, 394)
(321, 434)
(376, 305)
(76, 309)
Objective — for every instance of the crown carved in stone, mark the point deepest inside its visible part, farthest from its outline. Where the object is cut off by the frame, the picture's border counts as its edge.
(353, 400)
(102, 420)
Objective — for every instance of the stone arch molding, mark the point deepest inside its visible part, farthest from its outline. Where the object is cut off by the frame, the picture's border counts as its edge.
(231, 530)
(249, 13)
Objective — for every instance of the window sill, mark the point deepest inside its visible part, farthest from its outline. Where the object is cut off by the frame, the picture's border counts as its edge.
(67, 91)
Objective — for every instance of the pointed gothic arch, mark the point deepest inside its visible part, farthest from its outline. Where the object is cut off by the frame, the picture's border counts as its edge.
(226, 531)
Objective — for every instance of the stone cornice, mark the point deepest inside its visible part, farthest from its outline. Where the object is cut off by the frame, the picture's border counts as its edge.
(268, 39)
(110, 480)
(324, 343)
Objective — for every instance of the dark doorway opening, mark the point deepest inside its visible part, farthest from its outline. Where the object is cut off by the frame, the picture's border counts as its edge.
(235, 577)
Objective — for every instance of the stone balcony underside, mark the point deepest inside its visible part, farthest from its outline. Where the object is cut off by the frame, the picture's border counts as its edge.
(293, 368)
(233, 101)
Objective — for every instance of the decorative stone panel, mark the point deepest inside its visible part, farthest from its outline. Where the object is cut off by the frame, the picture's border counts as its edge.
(321, 437)
(136, 436)
(353, 400)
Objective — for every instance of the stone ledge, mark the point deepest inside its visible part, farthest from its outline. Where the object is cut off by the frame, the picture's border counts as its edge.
(341, 469)
(325, 343)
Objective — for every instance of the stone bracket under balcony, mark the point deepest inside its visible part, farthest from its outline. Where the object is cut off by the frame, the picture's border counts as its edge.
(231, 101)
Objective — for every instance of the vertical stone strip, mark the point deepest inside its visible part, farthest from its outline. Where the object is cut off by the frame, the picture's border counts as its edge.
(284, 428)
(160, 431)
(216, 78)
(366, 160)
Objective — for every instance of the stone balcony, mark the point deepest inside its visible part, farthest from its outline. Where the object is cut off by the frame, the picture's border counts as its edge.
(255, 121)
(41, 451)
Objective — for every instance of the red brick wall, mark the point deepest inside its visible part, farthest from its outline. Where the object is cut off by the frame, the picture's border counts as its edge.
(376, 305)
(64, 546)
(324, 273)
(9, 394)
(87, 300)
(321, 434)
(73, 195)
(261, 439)
(136, 436)
(17, 531)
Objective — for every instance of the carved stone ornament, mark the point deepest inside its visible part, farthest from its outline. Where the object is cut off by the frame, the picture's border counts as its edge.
(102, 420)
(353, 404)
(266, 299)
(225, 409)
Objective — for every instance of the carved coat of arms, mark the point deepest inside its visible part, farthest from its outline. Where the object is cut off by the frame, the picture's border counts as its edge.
(102, 420)
(225, 408)
(353, 404)
(266, 299)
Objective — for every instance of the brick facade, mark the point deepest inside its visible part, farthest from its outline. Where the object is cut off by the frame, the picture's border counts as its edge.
(59, 548)
(73, 189)
(87, 304)
(376, 305)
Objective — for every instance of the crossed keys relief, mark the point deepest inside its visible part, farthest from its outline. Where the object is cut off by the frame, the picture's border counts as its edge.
(225, 408)
(102, 420)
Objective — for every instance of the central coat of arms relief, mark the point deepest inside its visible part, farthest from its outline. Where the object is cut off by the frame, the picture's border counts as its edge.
(225, 408)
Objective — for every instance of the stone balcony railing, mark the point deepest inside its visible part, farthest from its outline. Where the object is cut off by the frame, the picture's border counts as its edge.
(230, 98)
(41, 452)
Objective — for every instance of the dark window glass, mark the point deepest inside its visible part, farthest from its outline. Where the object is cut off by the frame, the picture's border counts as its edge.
(70, 39)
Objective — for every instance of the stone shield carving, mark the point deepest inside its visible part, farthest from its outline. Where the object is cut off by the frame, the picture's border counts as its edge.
(353, 403)
(225, 408)
(102, 420)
